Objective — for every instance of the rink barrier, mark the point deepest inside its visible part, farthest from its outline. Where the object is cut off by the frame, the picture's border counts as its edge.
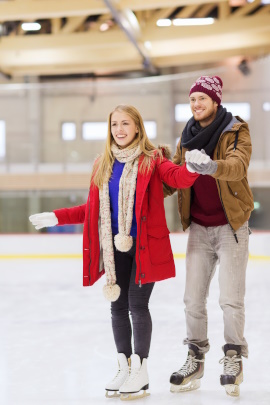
(79, 256)
(69, 246)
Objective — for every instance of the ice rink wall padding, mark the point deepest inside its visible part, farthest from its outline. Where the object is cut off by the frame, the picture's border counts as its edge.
(65, 246)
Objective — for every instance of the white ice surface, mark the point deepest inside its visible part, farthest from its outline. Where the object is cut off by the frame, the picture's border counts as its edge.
(56, 343)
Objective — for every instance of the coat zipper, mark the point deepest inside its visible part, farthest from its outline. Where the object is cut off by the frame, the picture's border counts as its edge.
(89, 239)
(140, 269)
(233, 231)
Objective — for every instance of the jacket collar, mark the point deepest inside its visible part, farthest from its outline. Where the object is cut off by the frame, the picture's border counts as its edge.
(234, 124)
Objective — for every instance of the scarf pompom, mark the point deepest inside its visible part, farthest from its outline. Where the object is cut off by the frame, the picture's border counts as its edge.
(123, 243)
(111, 292)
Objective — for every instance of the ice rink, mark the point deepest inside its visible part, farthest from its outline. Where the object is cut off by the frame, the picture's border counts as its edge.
(56, 340)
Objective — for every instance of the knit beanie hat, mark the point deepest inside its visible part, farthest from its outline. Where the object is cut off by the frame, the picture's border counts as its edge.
(212, 86)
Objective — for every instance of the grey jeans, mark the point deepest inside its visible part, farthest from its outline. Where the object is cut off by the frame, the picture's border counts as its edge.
(207, 247)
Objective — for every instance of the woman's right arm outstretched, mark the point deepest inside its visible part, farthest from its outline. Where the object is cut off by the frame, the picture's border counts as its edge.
(63, 216)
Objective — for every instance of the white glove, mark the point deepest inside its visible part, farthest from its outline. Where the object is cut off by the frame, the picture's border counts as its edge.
(43, 220)
(197, 157)
(201, 163)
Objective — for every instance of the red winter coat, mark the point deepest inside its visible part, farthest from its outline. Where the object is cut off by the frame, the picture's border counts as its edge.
(154, 257)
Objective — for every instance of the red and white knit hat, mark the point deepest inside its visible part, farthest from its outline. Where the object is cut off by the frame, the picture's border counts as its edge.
(212, 86)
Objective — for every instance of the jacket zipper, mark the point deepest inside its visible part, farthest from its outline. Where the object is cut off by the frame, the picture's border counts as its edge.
(233, 231)
(140, 269)
(89, 239)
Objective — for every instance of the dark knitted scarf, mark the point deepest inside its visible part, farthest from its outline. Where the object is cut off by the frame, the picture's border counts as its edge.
(196, 137)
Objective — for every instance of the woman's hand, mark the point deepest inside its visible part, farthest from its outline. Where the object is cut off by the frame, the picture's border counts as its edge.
(43, 220)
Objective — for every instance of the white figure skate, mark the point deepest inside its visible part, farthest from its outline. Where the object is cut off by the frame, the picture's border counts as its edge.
(112, 388)
(137, 380)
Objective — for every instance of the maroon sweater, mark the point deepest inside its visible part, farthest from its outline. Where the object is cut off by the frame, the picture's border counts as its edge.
(206, 208)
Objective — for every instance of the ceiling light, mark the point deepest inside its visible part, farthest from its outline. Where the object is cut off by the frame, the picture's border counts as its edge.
(148, 45)
(33, 26)
(104, 27)
(164, 22)
(193, 21)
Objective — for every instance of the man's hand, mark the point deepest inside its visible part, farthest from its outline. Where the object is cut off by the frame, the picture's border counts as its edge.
(43, 220)
(197, 161)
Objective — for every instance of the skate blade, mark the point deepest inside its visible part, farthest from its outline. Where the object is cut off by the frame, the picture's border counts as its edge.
(191, 386)
(131, 397)
(116, 394)
(232, 389)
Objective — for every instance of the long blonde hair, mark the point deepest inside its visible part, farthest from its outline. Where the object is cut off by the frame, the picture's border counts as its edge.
(103, 165)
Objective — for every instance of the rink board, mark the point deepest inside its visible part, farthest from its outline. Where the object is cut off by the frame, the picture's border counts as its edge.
(69, 246)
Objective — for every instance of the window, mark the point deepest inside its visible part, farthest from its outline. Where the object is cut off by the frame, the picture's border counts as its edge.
(94, 131)
(2, 139)
(183, 111)
(151, 129)
(68, 131)
(97, 131)
(241, 109)
(266, 106)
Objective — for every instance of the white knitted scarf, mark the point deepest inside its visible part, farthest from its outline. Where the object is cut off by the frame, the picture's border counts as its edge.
(123, 240)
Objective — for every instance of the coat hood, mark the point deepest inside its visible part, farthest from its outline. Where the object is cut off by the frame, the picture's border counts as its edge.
(166, 151)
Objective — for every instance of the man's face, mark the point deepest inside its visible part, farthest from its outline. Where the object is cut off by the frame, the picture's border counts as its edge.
(203, 108)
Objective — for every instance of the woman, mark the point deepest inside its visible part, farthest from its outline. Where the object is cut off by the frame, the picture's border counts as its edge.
(126, 237)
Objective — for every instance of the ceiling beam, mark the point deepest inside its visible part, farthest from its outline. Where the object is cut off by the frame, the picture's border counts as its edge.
(224, 11)
(254, 23)
(116, 38)
(19, 10)
(242, 11)
(56, 25)
(264, 10)
(72, 24)
(188, 11)
(111, 51)
(205, 10)
(160, 14)
(154, 4)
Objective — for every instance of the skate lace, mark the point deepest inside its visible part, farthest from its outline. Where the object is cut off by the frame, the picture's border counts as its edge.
(133, 372)
(231, 364)
(118, 375)
(190, 365)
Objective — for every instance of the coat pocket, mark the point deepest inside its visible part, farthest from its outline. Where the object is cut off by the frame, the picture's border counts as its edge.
(242, 194)
(159, 245)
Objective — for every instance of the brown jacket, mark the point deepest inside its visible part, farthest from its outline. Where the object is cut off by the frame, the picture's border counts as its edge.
(231, 175)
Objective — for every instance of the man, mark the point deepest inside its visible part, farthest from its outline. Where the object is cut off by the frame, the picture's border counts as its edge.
(216, 209)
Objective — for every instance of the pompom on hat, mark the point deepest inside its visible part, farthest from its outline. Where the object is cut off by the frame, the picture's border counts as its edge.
(212, 86)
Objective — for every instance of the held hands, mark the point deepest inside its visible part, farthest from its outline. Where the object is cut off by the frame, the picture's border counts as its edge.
(43, 220)
(197, 161)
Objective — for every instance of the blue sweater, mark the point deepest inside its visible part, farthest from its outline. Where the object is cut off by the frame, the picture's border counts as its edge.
(114, 191)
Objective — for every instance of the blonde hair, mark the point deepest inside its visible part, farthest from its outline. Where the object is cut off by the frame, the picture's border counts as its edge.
(103, 165)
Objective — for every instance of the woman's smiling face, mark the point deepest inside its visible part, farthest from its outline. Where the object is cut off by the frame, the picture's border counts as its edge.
(123, 129)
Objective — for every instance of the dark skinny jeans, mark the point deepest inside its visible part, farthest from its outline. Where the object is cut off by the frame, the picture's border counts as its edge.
(134, 300)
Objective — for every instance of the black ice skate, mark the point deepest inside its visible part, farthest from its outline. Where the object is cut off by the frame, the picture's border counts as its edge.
(188, 377)
(232, 375)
